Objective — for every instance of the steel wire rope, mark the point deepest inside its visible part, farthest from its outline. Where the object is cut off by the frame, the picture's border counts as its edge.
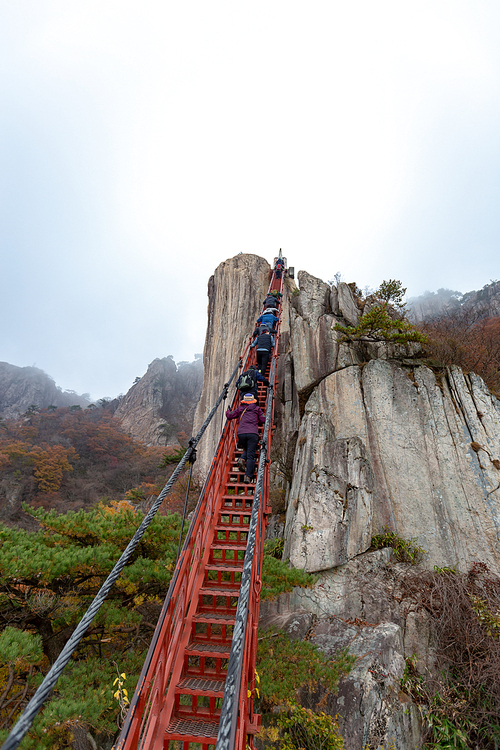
(27, 717)
(134, 702)
(230, 704)
(192, 459)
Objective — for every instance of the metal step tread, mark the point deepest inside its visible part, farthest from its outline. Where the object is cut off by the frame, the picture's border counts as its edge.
(232, 495)
(219, 590)
(207, 649)
(233, 567)
(186, 728)
(233, 527)
(229, 545)
(214, 617)
(201, 685)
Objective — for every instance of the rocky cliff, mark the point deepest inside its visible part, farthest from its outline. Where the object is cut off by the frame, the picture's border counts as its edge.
(367, 439)
(236, 294)
(22, 387)
(161, 405)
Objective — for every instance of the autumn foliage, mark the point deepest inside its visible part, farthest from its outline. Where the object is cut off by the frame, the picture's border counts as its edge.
(69, 459)
(461, 337)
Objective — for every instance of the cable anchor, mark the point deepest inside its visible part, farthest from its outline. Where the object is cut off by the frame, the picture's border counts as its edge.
(192, 455)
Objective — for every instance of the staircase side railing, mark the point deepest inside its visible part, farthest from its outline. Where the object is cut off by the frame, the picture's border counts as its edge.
(142, 724)
(237, 716)
(237, 706)
(150, 711)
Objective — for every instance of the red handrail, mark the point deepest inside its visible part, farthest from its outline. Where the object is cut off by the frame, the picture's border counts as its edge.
(153, 703)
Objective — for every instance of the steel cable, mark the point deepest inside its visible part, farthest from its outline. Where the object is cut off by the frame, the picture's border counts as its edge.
(229, 710)
(27, 717)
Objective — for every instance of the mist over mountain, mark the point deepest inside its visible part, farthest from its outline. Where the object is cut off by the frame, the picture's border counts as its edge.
(157, 410)
(485, 302)
(22, 387)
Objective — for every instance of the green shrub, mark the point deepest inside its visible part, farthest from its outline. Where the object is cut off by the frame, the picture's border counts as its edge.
(47, 581)
(377, 325)
(173, 458)
(278, 577)
(274, 547)
(405, 550)
(302, 729)
(286, 666)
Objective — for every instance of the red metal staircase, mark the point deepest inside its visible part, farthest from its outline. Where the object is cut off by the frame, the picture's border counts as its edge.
(201, 662)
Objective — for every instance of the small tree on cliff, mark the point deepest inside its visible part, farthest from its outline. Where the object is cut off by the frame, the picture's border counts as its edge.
(385, 320)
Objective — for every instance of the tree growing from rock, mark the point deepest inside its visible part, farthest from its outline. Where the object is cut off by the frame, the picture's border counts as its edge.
(384, 321)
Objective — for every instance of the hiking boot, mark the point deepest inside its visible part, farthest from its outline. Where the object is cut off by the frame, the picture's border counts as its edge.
(242, 464)
(246, 480)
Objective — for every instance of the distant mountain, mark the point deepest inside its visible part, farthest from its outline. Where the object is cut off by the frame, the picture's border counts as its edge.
(159, 408)
(485, 302)
(22, 387)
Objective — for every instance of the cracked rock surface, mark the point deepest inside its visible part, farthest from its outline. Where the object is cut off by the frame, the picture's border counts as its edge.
(367, 438)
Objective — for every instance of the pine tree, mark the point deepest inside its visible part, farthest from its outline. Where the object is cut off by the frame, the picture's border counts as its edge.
(47, 581)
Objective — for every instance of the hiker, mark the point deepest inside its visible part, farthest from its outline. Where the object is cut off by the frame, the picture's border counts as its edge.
(271, 301)
(250, 416)
(247, 382)
(268, 319)
(280, 264)
(264, 344)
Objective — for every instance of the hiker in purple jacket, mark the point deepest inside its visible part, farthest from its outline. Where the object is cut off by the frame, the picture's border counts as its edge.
(250, 417)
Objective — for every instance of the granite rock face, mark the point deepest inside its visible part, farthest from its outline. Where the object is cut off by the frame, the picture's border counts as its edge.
(236, 294)
(162, 403)
(429, 450)
(367, 438)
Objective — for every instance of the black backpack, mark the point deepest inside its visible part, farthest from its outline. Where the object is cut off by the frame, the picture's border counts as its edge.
(246, 381)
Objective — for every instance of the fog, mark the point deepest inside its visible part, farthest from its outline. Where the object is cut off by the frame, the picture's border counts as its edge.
(144, 143)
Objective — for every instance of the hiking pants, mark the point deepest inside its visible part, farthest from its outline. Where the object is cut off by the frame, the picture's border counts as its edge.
(248, 441)
(263, 357)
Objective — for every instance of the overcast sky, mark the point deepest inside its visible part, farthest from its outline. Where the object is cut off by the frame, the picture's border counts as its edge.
(142, 143)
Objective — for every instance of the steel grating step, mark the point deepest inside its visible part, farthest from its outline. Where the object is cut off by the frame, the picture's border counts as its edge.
(215, 617)
(233, 567)
(201, 648)
(201, 685)
(229, 545)
(219, 590)
(191, 731)
(233, 527)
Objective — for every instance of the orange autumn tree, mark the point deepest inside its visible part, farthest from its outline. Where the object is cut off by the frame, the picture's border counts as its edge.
(50, 464)
(47, 462)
